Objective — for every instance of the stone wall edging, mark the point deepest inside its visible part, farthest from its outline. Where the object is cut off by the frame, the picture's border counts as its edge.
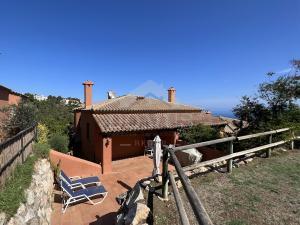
(38, 206)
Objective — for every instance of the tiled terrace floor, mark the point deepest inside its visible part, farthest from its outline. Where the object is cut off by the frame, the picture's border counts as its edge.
(124, 176)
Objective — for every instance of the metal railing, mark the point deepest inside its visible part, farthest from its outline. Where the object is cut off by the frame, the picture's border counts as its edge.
(193, 199)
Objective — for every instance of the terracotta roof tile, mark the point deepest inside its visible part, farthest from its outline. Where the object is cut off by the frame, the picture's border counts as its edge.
(137, 103)
(134, 113)
(120, 122)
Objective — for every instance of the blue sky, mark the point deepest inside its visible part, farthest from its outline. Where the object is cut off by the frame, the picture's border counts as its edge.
(212, 52)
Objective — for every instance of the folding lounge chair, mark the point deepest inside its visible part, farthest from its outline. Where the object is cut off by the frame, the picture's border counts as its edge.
(80, 182)
(70, 196)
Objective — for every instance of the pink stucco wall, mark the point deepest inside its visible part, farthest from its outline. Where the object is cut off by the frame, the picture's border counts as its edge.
(74, 166)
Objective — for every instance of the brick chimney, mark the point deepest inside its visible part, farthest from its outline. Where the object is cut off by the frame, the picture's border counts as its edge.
(171, 95)
(88, 93)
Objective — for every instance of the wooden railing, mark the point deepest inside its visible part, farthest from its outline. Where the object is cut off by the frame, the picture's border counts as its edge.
(195, 202)
(14, 151)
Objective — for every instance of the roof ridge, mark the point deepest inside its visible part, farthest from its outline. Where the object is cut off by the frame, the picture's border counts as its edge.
(130, 102)
(12, 91)
(107, 101)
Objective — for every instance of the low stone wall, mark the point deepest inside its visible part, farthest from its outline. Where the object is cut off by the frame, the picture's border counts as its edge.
(37, 208)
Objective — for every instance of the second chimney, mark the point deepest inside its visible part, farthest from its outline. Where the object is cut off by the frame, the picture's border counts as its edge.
(88, 93)
(171, 95)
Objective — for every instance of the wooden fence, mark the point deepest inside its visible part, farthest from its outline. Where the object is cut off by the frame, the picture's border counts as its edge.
(195, 202)
(14, 151)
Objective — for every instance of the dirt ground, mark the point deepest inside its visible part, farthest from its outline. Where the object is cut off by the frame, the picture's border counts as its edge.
(264, 191)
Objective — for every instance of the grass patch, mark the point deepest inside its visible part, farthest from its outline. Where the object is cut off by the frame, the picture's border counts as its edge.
(236, 222)
(41, 150)
(12, 194)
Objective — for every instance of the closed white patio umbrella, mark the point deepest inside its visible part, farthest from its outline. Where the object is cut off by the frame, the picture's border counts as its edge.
(156, 155)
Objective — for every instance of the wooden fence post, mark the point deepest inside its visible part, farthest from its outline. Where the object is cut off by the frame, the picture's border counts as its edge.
(22, 147)
(230, 151)
(292, 141)
(35, 132)
(269, 151)
(165, 175)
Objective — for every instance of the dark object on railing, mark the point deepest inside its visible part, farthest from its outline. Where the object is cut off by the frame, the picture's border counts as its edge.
(121, 198)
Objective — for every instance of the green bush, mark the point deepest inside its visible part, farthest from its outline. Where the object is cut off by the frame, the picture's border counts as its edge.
(41, 150)
(59, 142)
(43, 133)
(199, 133)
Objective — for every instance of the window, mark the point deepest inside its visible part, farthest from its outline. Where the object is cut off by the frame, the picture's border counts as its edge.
(88, 131)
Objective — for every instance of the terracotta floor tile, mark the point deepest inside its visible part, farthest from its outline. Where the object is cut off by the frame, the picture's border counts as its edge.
(125, 174)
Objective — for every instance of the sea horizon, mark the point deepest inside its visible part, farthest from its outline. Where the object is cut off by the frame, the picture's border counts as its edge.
(225, 113)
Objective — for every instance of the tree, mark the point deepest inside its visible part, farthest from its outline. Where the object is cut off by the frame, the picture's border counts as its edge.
(54, 113)
(276, 104)
(30, 97)
(251, 111)
(198, 133)
(281, 93)
(20, 117)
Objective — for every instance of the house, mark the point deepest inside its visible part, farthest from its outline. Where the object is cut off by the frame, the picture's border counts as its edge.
(40, 97)
(7, 97)
(233, 125)
(71, 101)
(119, 127)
